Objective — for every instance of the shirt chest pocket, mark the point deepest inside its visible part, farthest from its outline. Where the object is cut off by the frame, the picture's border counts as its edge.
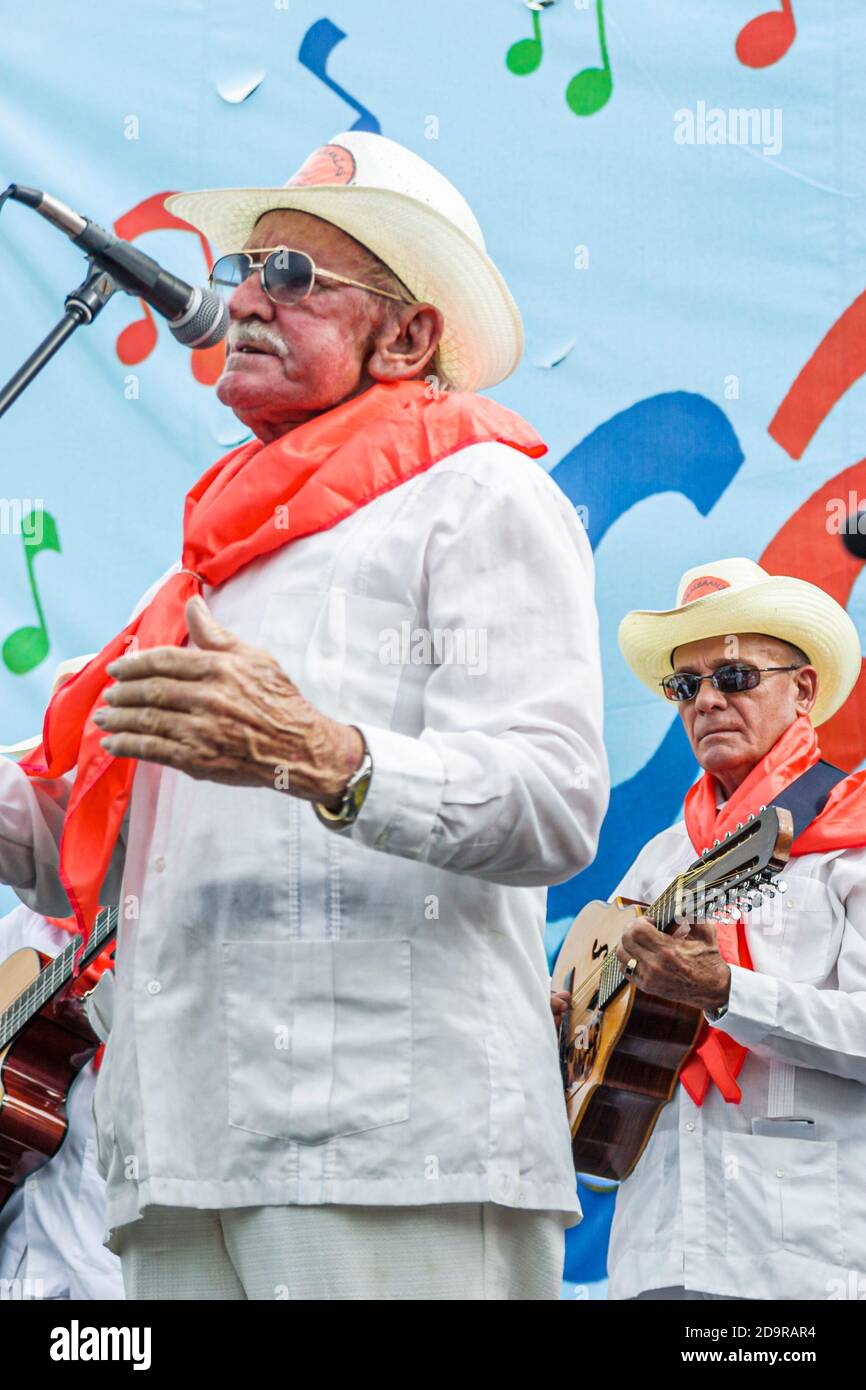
(796, 934)
(318, 1036)
(345, 651)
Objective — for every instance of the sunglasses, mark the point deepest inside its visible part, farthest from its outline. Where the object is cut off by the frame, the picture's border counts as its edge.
(730, 680)
(288, 276)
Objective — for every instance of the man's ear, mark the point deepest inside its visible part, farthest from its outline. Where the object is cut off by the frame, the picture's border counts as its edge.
(405, 342)
(807, 688)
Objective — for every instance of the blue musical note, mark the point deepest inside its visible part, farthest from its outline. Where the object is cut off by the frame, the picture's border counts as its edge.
(316, 48)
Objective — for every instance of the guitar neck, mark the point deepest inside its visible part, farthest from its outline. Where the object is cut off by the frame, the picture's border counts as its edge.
(52, 978)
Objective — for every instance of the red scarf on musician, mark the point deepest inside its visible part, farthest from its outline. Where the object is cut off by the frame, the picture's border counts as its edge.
(312, 478)
(841, 825)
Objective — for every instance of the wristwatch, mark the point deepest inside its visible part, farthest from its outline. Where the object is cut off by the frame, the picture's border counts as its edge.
(353, 796)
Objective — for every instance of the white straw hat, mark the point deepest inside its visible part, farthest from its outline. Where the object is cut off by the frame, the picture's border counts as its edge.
(737, 596)
(407, 214)
(63, 672)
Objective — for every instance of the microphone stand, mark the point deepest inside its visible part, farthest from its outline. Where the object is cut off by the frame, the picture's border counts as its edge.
(82, 307)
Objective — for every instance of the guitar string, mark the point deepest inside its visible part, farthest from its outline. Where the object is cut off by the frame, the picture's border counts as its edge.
(661, 908)
(52, 976)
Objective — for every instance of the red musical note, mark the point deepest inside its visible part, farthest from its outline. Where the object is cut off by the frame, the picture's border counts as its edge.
(138, 339)
(837, 362)
(807, 548)
(767, 37)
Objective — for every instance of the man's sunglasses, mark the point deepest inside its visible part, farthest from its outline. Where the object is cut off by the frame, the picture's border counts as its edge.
(730, 680)
(288, 276)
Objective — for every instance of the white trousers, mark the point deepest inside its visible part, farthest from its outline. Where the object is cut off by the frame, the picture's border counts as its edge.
(454, 1251)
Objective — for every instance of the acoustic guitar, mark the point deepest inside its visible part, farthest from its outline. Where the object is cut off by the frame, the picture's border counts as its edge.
(622, 1050)
(45, 1040)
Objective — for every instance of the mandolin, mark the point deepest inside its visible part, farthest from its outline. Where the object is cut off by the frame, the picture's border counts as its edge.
(45, 1040)
(622, 1050)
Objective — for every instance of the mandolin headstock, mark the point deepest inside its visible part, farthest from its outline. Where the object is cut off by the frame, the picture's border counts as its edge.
(730, 872)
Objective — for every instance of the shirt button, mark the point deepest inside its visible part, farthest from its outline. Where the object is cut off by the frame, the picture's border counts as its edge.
(780, 1172)
(153, 986)
(159, 864)
(690, 1126)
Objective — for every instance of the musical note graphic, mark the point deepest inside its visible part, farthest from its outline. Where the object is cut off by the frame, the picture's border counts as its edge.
(838, 361)
(317, 45)
(27, 646)
(525, 55)
(138, 339)
(767, 37)
(806, 548)
(590, 90)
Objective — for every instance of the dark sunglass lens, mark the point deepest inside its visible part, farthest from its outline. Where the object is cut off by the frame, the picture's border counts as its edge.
(288, 275)
(230, 271)
(680, 686)
(731, 679)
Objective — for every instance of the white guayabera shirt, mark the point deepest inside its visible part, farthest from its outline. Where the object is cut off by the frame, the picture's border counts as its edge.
(52, 1226)
(304, 1015)
(715, 1206)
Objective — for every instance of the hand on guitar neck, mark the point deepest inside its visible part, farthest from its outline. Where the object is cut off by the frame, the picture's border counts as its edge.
(688, 968)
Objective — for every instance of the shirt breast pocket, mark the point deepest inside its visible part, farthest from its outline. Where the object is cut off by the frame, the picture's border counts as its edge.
(805, 926)
(319, 1036)
(346, 652)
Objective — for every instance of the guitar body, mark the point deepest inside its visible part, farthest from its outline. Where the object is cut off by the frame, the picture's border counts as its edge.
(621, 1050)
(622, 1062)
(37, 1069)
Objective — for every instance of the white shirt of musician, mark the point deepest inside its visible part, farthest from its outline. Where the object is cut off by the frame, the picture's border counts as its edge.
(51, 1228)
(748, 1200)
(303, 1015)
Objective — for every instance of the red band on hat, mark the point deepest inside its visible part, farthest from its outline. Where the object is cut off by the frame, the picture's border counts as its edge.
(327, 164)
(700, 587)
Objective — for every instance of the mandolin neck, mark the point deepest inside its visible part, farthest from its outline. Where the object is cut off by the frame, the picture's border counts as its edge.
(664, 913)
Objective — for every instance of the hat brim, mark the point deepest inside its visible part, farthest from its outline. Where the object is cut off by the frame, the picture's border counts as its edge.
(789, 609)
(482, 341)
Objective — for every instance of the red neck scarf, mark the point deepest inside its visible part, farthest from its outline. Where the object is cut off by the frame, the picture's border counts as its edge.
(841, 825)
(312, 478)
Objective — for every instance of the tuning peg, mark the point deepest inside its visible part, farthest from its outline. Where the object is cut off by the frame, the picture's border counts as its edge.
(781, 886)
(761, 808)
(716, 844)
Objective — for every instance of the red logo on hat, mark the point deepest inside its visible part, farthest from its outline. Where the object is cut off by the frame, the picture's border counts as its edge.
(700, 587)
(327, 164)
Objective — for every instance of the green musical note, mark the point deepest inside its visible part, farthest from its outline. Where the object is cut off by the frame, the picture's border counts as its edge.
(26, 647)
(589, 90)
(525, 56)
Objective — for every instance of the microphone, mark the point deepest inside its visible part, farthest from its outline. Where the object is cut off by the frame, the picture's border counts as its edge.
(854, 535)
(197, 317)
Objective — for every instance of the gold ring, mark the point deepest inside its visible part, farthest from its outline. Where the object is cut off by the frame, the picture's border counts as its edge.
(631, 968)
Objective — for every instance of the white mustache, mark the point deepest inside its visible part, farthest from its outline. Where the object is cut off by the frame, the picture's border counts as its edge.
(253, 332)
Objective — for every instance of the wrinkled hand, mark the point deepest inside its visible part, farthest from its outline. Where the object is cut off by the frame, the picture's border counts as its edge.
(688, 969)
(225, 711)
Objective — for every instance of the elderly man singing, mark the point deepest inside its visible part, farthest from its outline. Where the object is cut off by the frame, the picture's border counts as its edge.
(335, 808)
(752, 1185)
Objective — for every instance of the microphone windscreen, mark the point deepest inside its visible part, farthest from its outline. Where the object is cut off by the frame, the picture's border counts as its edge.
(205, 323)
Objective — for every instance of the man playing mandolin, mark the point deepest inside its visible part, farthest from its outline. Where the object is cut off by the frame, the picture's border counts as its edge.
(751, 1183)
